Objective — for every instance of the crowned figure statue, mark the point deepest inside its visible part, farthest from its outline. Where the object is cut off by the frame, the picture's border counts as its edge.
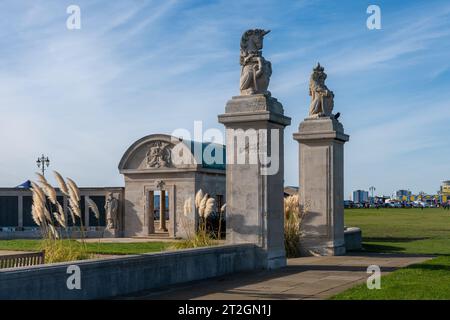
(322, 99)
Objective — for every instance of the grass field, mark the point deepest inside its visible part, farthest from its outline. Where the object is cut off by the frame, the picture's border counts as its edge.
(411, 231)
(94, 248)
(403, 230)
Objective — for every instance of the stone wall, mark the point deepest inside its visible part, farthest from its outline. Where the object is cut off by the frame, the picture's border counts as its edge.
(15, 210)
(126, 275)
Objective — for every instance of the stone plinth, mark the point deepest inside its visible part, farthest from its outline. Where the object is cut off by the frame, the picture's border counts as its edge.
(353, 239)
(255, 191)
(321, 158)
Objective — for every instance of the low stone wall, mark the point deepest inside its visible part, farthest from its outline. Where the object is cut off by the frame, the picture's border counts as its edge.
(353, 239)
(16, 220)
(24, 234)
(36, 234)
(125, 275)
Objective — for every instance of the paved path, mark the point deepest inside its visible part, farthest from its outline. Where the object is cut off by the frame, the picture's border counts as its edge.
(303, 278)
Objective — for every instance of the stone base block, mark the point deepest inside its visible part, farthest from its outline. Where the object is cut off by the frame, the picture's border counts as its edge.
(316, 247)
(353, 239)
(270, 260)
(276, 263)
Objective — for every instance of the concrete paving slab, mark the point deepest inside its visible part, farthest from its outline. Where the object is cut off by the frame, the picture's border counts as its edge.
(302, 278)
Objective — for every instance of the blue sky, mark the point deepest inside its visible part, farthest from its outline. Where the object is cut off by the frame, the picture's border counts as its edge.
(141, 67)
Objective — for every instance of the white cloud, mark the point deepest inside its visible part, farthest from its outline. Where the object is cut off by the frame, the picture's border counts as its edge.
(142, 67)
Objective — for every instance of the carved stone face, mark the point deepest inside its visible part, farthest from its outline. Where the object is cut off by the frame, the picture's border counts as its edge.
(252, 41)
(319, 77)
(257, 42)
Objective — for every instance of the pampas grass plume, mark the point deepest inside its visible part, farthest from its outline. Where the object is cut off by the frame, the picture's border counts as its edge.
(62, 184)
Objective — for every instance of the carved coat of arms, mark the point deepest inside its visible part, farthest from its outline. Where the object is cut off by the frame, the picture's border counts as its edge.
(159, 155)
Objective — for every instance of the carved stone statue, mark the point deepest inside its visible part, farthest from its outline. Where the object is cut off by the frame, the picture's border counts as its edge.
(159, 155)
(159, 184)
(111, 209)
(322, 99)
(255, 71)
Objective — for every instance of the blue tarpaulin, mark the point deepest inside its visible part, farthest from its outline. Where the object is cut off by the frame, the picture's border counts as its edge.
(25, 185)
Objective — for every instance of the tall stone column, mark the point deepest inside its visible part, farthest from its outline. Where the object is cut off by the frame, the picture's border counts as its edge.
(321, 157)
(162, 211)
(150, 212)
(255, 211)
(86, 213)
(20, 211)
(321, 141)
(255, 125)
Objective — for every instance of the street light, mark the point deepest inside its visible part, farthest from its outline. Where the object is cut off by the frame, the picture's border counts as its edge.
(42, 162)
(372, 189)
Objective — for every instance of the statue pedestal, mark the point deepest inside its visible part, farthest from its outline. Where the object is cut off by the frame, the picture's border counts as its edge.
(321, 158)
(255, 209)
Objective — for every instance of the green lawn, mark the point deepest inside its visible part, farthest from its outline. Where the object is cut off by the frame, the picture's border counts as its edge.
(412, 231)
(403, 230)
(429, 280)
(95, 248)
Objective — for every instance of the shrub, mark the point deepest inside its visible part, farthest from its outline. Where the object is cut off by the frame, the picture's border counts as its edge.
(64, 250)
(293, 215)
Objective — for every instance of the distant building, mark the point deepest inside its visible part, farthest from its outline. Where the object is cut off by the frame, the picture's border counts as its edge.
(360, 196)
(445, 191)
(403, 195)
(381, 199)
(445, 188)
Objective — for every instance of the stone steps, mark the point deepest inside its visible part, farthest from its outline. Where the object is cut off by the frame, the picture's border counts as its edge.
(156, 235)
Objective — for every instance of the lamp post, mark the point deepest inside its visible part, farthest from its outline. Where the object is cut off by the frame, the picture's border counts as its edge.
(43, 162)
(372, 189)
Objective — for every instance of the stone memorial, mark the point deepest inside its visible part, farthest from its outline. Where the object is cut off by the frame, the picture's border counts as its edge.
(111, 209)
(255, 123)
(166, 165)
(321, 141)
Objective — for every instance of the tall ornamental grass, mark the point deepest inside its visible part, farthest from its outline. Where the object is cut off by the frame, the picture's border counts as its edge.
(49, 215)
(293, 216)
(200, 236)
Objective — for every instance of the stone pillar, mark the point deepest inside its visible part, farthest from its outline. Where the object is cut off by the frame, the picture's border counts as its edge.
(255, 211)
(20, 211)
(150, 212)
(66, 210)
(321, 158)
(86, 213)
(162, 211)
(172, 211)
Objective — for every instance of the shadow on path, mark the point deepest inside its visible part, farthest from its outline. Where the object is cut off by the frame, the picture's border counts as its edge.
(303, 278)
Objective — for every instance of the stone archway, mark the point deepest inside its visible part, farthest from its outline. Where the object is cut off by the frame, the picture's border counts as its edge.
(166, 222)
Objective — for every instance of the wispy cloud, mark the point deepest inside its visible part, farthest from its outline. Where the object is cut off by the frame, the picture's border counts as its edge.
(140, 67)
